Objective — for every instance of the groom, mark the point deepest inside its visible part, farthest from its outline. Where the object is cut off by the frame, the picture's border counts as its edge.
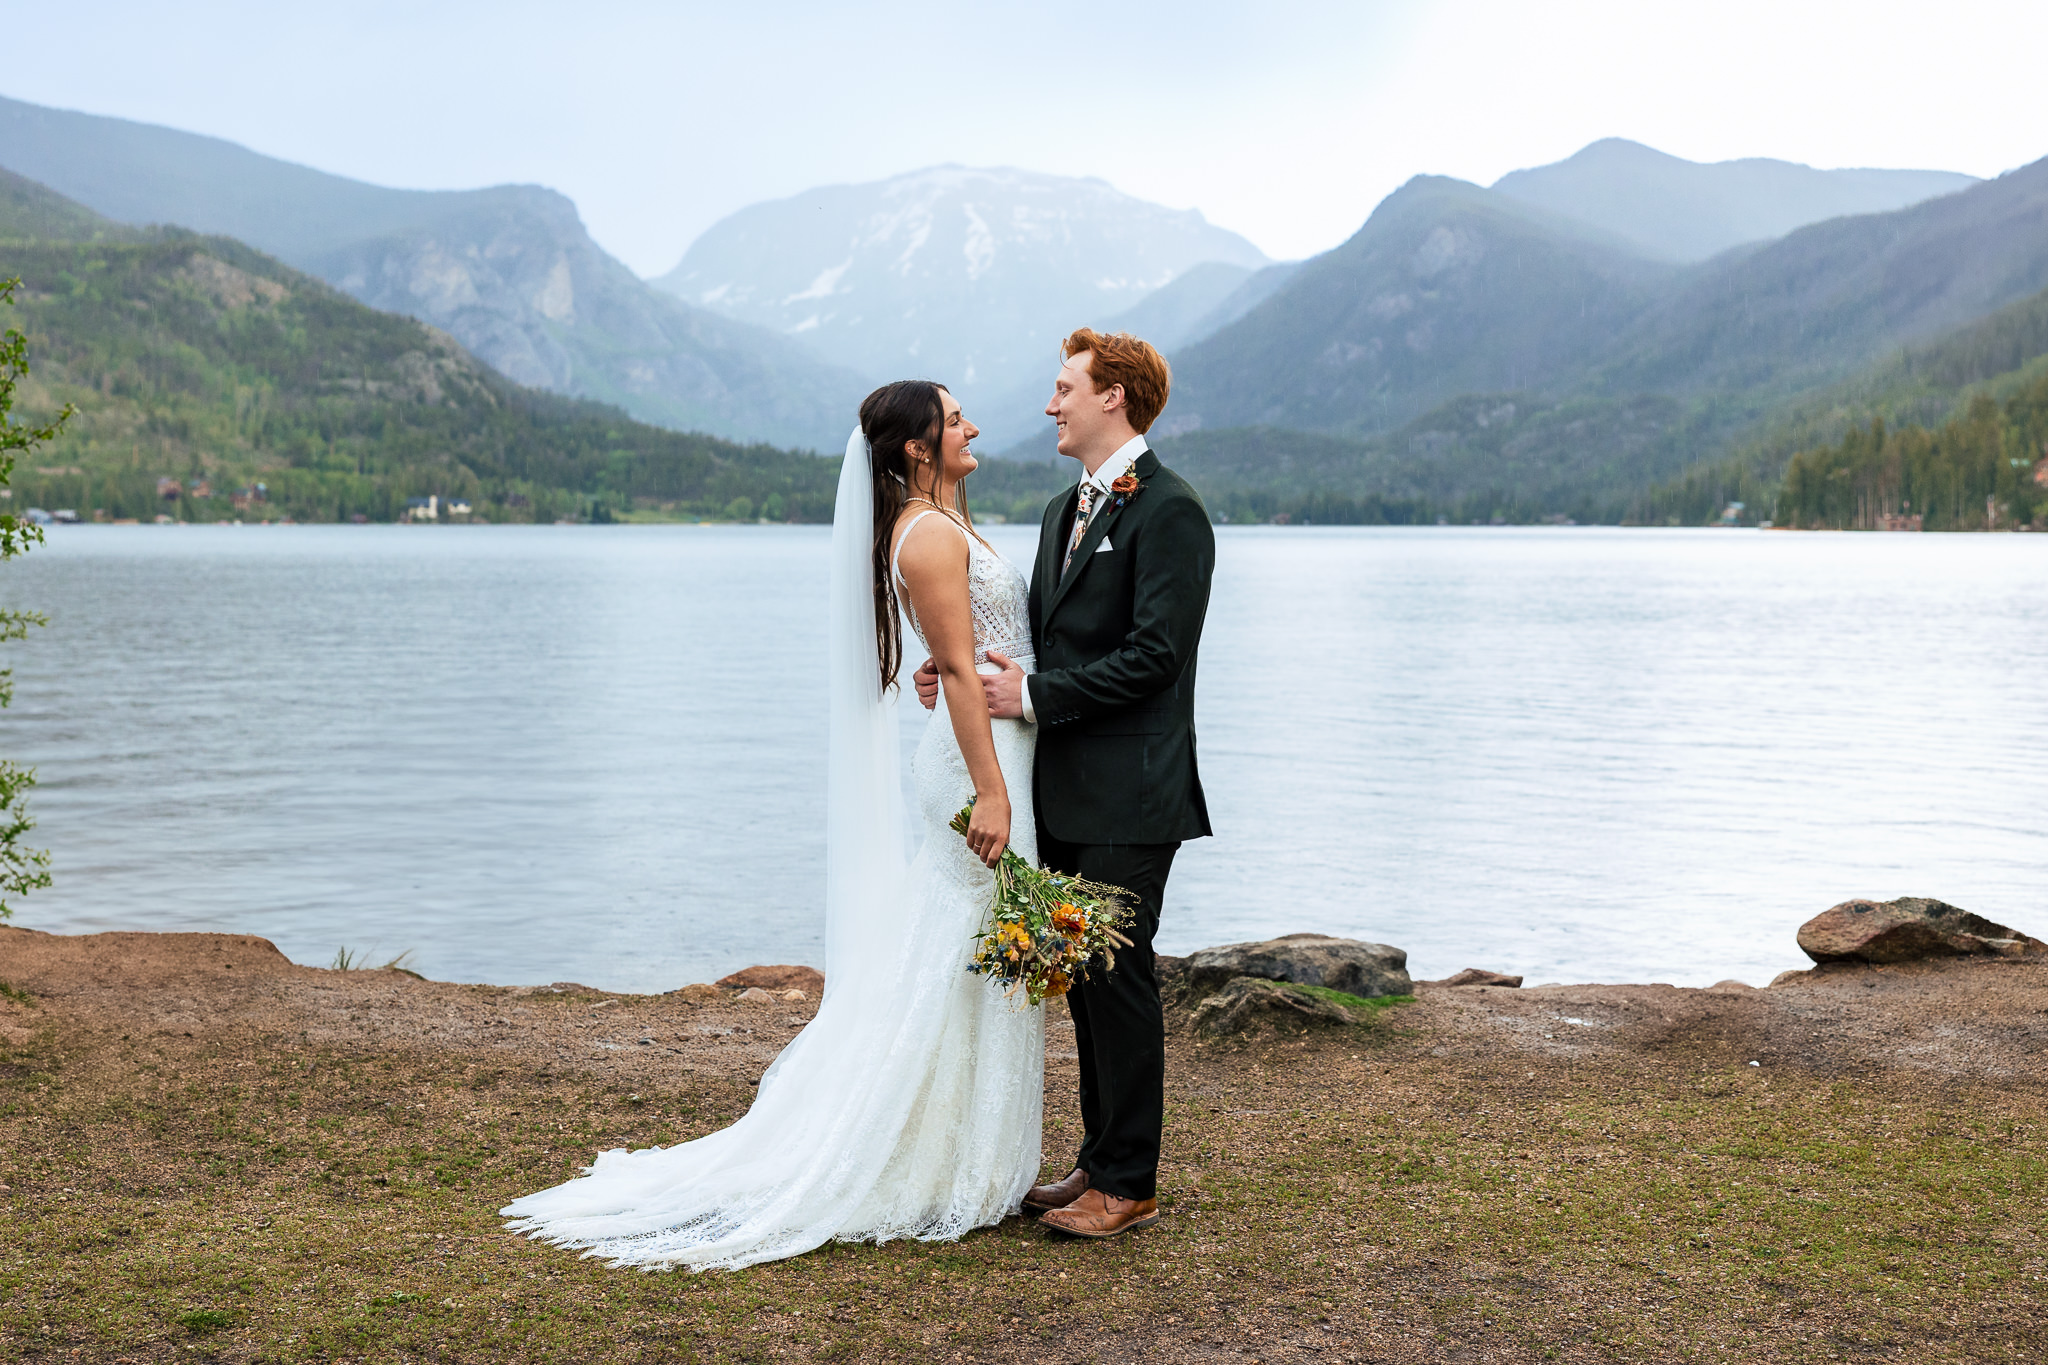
(1117, 600)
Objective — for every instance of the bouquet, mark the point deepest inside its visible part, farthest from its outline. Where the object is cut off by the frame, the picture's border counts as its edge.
(1044, 928)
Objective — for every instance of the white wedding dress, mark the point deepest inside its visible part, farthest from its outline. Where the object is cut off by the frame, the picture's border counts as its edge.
(910, 1106)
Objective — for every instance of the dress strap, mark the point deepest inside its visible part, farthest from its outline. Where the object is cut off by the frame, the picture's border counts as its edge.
(896, 555)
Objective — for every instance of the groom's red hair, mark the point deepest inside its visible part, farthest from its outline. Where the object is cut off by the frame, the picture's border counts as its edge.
(1121, 358)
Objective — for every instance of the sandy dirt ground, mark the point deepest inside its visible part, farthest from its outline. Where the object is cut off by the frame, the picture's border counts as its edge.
(1986, 1018)
(1309, 1142)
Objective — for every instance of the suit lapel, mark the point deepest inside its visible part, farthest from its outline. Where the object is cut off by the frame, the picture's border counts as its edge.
(1144, 467)
(1052, 544)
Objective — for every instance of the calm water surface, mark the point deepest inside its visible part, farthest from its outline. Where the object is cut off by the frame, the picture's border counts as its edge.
(596, 754)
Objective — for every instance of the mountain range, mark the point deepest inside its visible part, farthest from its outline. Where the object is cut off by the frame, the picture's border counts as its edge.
(966, 275)
(213, 381)
(509, 272)
(1450, 289)
(1672, 209)
(1595, 337)
(1608, 371)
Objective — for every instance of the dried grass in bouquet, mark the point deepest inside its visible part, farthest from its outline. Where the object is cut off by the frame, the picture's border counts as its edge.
(1045, 928)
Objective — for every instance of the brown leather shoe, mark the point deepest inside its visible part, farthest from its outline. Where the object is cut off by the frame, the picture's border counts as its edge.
(1096, 1214)
(1056, 1196)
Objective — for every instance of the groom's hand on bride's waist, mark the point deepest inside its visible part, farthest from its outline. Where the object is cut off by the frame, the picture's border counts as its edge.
(1005, 690)
(927, 680)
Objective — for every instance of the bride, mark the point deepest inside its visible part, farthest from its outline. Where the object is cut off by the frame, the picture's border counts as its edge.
(910, 1105)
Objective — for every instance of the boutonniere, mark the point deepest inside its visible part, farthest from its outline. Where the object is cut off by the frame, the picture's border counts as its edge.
(1124, 488)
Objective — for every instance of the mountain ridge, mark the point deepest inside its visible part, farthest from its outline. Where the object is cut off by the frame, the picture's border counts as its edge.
(968, 275)
(1666, 365)
(1403, 316)
(197, 363)
(1687, 211)
(493, 266)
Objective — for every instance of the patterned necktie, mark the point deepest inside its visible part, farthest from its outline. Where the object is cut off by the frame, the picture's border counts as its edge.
(1080, 524)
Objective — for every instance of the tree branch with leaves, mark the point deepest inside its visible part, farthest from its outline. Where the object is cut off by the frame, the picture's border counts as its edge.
(22, 869)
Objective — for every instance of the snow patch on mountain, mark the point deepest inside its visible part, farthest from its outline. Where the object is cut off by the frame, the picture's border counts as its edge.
(965, 275)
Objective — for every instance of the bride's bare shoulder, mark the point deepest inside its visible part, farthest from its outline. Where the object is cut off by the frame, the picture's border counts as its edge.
(929, 541)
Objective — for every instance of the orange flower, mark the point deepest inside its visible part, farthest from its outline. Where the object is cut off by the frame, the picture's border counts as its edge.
(1124, 485)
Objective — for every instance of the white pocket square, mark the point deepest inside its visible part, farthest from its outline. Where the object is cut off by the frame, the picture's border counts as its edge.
(1104, 547)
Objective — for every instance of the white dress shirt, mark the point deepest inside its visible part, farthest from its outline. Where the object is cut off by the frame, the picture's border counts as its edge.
(1106, 473)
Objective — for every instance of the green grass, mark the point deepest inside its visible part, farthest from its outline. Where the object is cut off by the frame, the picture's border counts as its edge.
(289, 1202)
(205, 1320)
(1362, 1005)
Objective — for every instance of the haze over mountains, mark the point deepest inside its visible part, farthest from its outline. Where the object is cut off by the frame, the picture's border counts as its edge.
(1451, 289)
(1474, 346)
(967, 274)
(1672, 209)
(1567, 340)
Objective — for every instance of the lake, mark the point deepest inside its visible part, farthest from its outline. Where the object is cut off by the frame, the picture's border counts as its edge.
(531, 754)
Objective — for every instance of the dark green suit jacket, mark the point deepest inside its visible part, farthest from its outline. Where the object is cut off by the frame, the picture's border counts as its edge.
(1115, 689)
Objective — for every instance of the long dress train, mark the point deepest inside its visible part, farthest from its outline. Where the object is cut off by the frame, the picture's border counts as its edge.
(909, 1107)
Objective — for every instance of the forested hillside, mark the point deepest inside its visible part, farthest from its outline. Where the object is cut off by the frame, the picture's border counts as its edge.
(1984, 470)
(202, 368)
(1922, 386)
(1447, 290)
(1482, 359)
(1515, 457)
(508, 270)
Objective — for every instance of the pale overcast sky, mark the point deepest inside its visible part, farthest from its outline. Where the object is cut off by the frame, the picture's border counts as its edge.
(1286, 120)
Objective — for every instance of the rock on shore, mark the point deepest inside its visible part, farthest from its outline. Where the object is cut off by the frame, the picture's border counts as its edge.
(1906, 929)
(1479, 976)
(1339, 964)
(1286, 981)
(777, 978)
(1246, 1000)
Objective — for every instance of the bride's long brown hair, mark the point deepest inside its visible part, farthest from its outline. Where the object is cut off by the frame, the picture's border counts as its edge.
(891, 418)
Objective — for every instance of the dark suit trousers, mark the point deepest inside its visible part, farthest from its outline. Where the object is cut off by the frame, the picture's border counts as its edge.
(1119, 1029)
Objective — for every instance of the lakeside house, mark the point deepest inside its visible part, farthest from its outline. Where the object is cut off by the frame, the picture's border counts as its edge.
(432, 508)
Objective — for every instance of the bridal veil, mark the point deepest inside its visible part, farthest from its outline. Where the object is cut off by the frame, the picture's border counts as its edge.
(910, 1105)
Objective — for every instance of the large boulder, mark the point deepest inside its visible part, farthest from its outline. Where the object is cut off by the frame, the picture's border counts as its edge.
(1905, 929)
(1341, 964)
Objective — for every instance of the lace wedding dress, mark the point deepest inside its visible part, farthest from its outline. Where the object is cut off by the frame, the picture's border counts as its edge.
(910, 1106)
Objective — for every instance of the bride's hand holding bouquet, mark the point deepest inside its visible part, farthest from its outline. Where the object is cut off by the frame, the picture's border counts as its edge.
(1044, 929)
(988, 829)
